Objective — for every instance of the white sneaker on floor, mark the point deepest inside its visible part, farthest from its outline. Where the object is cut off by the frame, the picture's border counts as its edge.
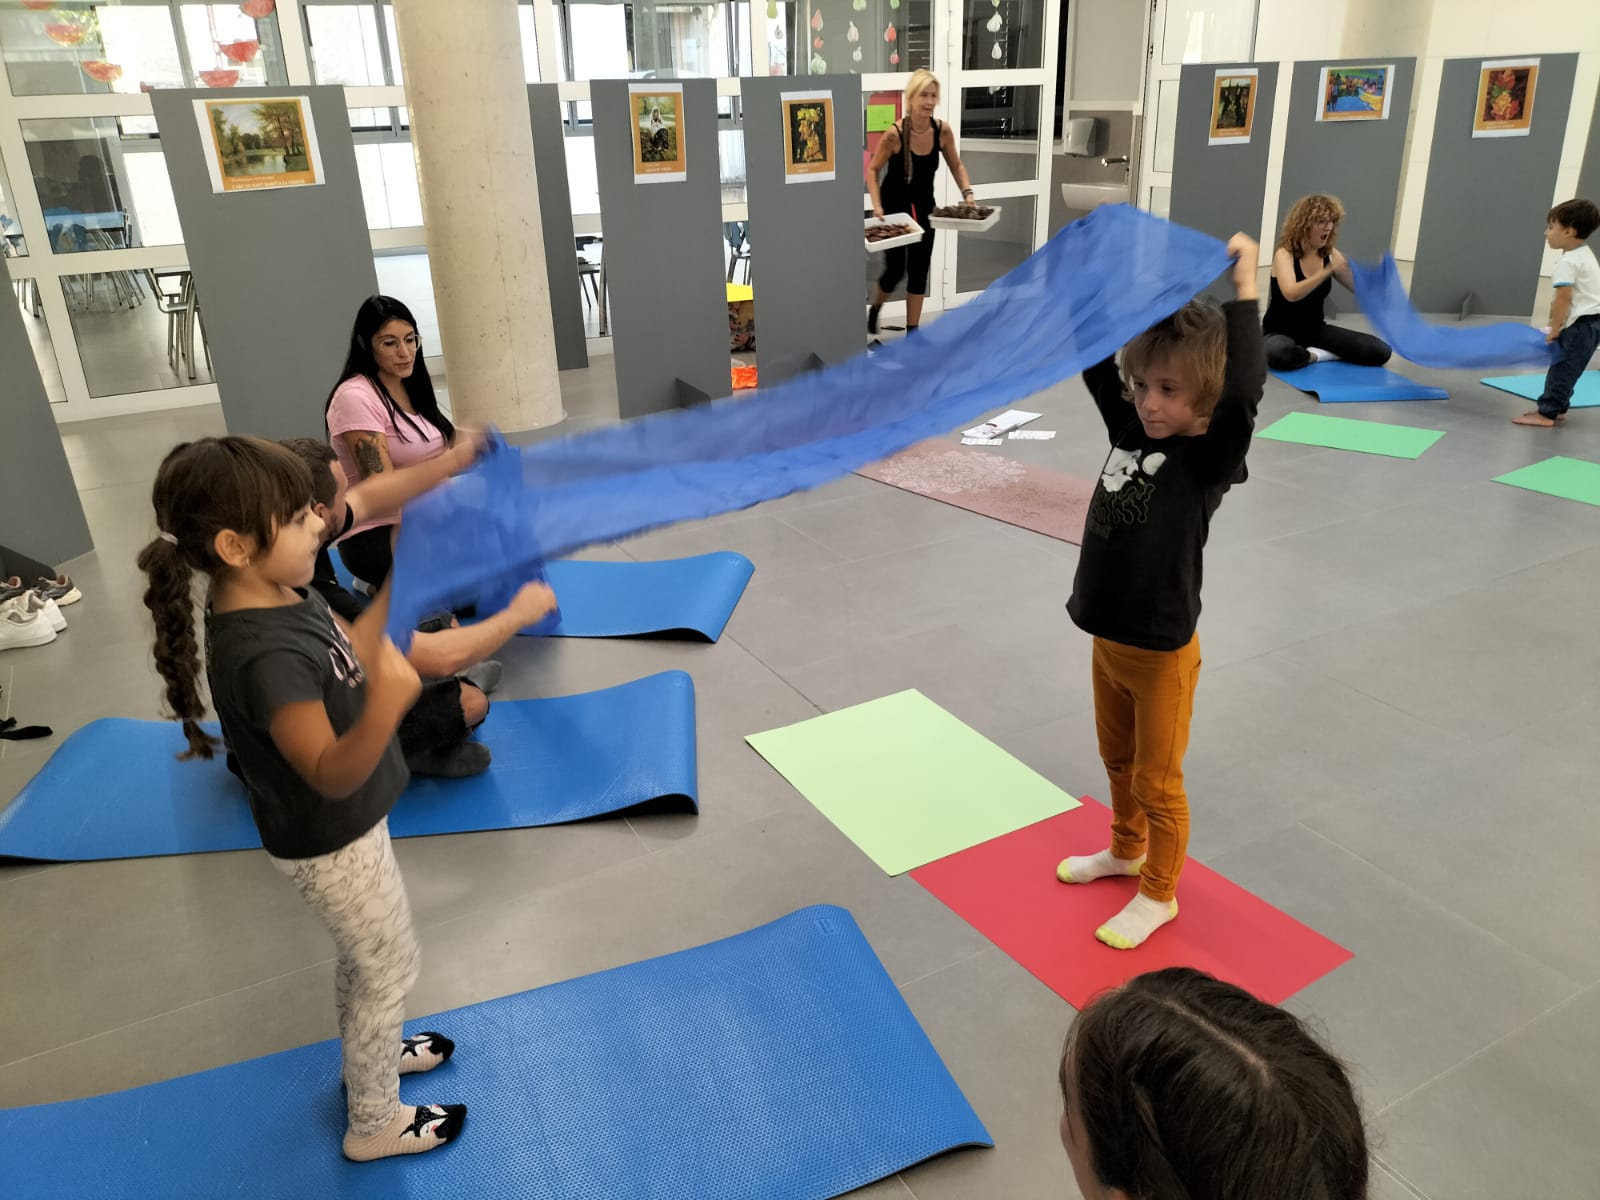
(20, 628)
(33, 602)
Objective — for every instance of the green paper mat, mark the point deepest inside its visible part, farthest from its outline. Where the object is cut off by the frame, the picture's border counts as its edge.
(1342, 433)
(907, 782)
(1569, 478)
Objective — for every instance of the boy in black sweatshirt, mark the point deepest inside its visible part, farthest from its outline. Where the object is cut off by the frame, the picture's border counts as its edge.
(1194, 382)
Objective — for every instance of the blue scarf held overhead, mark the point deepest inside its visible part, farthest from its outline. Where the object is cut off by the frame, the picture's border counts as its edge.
(1383, 298)
(1091, 288)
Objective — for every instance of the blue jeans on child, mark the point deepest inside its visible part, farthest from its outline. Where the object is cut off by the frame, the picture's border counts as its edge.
(1574, 348)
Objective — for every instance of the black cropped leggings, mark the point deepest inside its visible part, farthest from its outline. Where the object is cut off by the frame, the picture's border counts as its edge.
(1285, 353)
(912, 263)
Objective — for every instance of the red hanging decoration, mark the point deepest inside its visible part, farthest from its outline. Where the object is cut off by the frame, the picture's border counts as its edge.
(241, 51)
(219, 78)
(889, 35)
(39, 5)
(256, 9)
(64, 33)
(816, 20)
(101, 72)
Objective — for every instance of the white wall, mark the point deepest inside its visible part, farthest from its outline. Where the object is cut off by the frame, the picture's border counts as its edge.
(1107, 50)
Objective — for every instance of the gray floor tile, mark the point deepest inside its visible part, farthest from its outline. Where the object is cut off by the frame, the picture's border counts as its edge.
(1517, 1120)
(1426, 988)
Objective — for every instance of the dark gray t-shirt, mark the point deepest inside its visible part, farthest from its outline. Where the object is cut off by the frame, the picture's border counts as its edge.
(257, 661)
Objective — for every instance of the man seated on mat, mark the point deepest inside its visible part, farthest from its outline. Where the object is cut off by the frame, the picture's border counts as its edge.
(452, 660)
(1304, 266)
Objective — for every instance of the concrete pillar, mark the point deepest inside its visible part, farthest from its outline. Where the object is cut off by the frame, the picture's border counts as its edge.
(474, 146)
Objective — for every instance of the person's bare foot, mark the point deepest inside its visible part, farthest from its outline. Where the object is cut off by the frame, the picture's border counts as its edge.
(1538, 420)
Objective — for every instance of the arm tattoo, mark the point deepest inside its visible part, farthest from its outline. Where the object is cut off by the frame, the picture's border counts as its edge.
(368, 458)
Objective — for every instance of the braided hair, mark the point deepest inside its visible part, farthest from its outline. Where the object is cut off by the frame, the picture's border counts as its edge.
(243, 484)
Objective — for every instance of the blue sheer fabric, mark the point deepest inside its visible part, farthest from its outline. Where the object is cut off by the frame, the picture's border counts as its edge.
(1094, 286)
(1383, 298)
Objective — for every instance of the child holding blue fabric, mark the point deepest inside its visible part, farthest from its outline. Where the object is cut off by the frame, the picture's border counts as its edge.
(1180, 414)
(1574, 309)
(311, 713)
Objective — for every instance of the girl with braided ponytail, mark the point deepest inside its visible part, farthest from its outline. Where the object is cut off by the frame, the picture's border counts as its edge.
(311, 713)
(1178, 1086)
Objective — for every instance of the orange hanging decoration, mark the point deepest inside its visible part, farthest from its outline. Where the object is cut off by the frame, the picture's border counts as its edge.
(39, 5)
(101, 72)
(64, 33)
(889, 35)
(256, 9)
(219, 78)
(241, 51)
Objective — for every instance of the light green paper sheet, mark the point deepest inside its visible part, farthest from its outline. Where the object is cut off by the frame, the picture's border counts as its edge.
(907, 782)
(1343, 433)
(880, 118)
(1568, 478)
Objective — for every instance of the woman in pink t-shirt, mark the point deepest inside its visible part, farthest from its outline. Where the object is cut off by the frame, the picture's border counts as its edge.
(383, 414)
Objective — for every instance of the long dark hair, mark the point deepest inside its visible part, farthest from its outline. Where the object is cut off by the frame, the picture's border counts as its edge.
(1191, 1088)
(376, 312)
(245, 484)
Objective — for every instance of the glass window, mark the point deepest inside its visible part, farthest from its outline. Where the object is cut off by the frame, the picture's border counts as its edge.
(12, 243)
(1000, 133)
(583, 181)
(850, 37)
(229, 49)
(96, 192)
(391, 35)
(388, 172)
(653, 41)
(981, 258)
(1003, 34)
(137, 331)
(407, 278)
(343, 44)
(82, 48)
(530, 43)
(1216, 31)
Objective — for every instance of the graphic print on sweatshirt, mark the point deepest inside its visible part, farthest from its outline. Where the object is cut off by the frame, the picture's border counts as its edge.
(1127, 483)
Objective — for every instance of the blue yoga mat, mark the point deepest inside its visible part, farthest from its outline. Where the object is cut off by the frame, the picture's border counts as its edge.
(781, 1063)
(1585, 395)
(1346, 383)
(677, 596)
(115, 788)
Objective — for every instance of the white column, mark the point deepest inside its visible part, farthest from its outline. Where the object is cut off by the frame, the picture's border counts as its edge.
(480, 203)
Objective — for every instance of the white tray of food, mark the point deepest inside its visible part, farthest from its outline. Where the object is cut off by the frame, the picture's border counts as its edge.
(984, 217)
(890, 221)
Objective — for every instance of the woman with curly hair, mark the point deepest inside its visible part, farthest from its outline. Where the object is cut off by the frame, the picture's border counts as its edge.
(1304, 266)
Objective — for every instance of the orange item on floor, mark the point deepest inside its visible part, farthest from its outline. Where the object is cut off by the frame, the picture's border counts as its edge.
(743, 377)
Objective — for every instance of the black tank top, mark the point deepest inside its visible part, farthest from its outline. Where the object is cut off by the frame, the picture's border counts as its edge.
(1296, 318)
(915, 195)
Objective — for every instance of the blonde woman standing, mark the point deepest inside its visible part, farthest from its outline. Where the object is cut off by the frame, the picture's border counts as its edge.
(907, 158)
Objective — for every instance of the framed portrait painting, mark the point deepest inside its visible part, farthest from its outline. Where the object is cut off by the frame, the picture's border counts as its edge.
(658, 131)
(1233, 106)
(808, 141)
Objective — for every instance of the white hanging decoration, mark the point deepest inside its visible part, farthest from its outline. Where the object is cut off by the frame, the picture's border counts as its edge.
(995, 23)
(855, 55)
(854, 34)
(996, 53)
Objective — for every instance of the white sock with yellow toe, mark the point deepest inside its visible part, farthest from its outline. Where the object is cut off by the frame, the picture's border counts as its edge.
(1086, 868)
(1136, 922)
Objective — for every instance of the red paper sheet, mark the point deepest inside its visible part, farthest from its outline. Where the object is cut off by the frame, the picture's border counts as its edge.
(1007, 889)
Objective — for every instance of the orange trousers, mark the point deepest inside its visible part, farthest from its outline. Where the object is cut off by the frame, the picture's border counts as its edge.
(1143, 700)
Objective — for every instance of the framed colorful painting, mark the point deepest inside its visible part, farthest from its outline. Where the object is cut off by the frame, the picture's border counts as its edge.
(1354, 93)
(267, 142)
(1505, 97)
(1233, 106)
(808, 142)
(658, 132)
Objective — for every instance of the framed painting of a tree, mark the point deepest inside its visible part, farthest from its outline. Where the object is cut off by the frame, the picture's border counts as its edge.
(268, 142)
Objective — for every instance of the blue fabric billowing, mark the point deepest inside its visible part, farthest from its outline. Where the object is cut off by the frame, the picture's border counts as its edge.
(1095, 285)
(1383, 298)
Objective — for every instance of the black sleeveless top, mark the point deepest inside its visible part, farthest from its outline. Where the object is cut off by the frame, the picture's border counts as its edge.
(916, 195)
(1296, 318)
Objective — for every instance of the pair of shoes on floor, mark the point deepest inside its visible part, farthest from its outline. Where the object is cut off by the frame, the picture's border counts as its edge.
(22, 624)
(60, 589)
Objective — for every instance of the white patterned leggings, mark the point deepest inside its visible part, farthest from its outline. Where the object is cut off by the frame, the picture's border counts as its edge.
(358, 893)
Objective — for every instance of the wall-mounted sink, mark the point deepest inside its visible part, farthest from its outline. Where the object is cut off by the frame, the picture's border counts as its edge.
(1087, 196)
